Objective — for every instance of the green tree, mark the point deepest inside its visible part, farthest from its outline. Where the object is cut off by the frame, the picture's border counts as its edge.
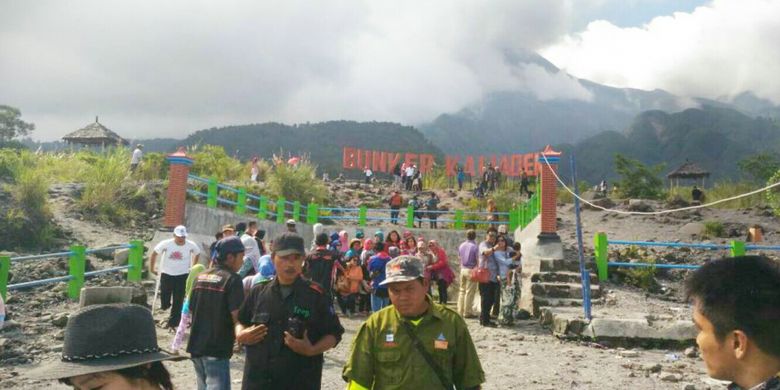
(759, 166)
(11, 124)
(638, 180)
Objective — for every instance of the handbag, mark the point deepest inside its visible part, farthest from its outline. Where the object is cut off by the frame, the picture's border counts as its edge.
(480, 275)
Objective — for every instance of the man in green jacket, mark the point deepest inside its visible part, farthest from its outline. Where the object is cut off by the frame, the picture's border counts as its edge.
(414, 343)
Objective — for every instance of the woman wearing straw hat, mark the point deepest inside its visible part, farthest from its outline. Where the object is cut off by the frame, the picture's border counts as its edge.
(110, 347)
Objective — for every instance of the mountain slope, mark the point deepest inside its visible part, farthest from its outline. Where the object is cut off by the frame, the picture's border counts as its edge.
(323, 142)
(715, 138)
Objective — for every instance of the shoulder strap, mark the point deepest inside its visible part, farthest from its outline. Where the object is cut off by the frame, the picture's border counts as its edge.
(427, 356)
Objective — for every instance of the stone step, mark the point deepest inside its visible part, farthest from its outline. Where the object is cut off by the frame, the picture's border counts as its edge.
(558, 265)
(561, 277)
(556, 302)
(563, 290)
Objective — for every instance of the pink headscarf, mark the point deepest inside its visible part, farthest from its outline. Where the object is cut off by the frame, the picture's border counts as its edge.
(344, 238)
(368, 244)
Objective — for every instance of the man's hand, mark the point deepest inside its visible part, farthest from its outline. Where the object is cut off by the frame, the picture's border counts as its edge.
(252, 335)
(300, 346)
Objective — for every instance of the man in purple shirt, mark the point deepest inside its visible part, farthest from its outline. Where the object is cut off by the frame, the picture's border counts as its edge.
(468, 255)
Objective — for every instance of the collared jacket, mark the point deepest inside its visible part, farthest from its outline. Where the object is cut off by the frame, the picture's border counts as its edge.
(270, 364)
(383, 356)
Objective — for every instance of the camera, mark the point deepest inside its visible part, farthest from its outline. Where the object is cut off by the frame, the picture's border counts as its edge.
(296, 326)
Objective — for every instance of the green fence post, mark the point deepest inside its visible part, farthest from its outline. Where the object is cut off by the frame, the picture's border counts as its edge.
(241, 201)
(262, 208)
(512, 220)
(280, 210)
(297, 210)
(312, 213)
(135, 260)
(459, 225)
(600, 251)
(76, 265)
(362, 215)
(409, 217)
(737, 248)
(5, 265)
(211, 201)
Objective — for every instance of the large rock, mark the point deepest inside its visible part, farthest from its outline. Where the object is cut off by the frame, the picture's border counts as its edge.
(639, 205)
(121, 256)
(692, 229)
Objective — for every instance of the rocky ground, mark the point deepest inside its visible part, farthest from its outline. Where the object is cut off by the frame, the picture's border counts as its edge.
(522, 356)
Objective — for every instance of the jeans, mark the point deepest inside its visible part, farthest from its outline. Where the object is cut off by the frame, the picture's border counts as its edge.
(487, 293)
(394, 214)
(468, 289)
(212, 373)
(442, 285)
(377, 303)
(172, 289)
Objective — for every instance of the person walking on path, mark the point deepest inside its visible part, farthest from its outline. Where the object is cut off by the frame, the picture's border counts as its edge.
(432, 204)
(414, 343)
(214, 304)
(135, 159)
(735, 310)
(461, 177)
(286, 324)
(376, 269)
(524, 184)
(395, 202)
(468, 256)
(487, 290)
(177, 255)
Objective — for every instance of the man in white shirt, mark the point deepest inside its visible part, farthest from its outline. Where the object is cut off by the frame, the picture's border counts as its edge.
(138, 154)
(409, 174)
(177, 256)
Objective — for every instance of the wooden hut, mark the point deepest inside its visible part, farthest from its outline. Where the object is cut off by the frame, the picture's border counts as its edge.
(687, 171)
(95, 134)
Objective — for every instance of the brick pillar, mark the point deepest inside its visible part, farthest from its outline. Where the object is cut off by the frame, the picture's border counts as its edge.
(177, 188)
(549, 188)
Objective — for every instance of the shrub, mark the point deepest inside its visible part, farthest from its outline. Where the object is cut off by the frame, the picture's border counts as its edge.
(773, 194)
(103, 183)
(713, 229)
(212, 161)
(27, 220)
(296, 183)
(638, 180)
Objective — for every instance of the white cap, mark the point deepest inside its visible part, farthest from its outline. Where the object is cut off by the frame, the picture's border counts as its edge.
(290, 222)
(180, 231)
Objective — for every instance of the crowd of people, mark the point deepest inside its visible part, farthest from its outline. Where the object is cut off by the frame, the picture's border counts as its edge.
(277, 307)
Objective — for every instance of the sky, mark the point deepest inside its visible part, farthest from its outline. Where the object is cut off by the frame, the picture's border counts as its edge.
(166, 69)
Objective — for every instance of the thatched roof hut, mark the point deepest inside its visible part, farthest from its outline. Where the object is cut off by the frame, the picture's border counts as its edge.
(687, 171)
(95, 134)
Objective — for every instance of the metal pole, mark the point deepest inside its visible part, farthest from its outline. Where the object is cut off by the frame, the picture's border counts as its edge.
(584, 274)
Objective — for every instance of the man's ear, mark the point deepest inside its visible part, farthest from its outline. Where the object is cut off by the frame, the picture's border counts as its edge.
(740, 343)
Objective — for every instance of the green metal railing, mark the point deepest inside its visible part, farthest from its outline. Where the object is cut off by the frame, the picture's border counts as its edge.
(77, 259)
(518, 217)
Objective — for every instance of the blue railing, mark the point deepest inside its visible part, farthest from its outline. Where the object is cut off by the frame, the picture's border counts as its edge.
(601, 252)
(312, 213)
(76, 267)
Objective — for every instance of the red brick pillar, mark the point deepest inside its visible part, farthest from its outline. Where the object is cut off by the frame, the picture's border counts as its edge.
(177, 188)
(549, 192)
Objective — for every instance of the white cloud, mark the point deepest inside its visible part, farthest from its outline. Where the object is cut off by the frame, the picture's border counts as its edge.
(721, 49)
(168, 68)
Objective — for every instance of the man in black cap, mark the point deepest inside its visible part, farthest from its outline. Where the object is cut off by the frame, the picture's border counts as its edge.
(216, 298)
(286, 325)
